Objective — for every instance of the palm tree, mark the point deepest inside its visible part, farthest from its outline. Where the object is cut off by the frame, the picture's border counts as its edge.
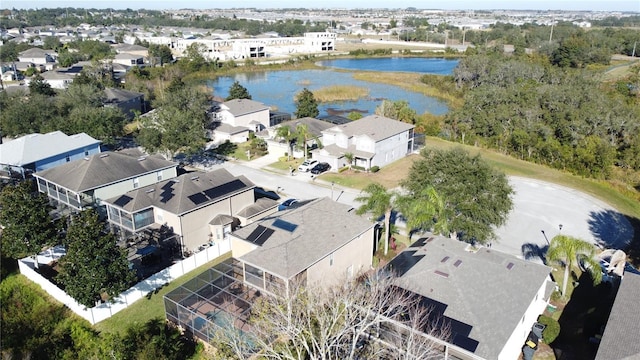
(566, 250)
(284, 132)
(349, 156)
(379, 202)
(423, 211)
(303, 135)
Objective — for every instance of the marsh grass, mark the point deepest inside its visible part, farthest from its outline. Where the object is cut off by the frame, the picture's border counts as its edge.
(340, 93)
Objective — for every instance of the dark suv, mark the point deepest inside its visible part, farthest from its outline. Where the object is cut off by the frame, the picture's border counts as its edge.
(320, 168)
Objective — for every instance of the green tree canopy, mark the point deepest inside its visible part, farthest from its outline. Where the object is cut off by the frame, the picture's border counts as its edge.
(476, 197)
(39, 86)
(160, 54)
(24, 215)
(306, 104)
(237, 91)
(379, 202)
(397, 110)
(94, 265)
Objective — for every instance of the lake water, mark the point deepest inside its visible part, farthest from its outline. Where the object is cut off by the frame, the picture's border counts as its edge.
(278, 88)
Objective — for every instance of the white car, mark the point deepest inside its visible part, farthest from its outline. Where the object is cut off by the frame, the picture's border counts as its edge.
(307, 165)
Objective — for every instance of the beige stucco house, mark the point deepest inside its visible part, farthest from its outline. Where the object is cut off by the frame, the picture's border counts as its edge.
(235, 119)
(318, 242)
(201, 208)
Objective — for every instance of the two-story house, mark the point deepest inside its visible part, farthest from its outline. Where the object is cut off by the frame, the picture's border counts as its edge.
(37, 56)
(278, 147)
(37, 152)
(86, 182)
(373, 140)
(201, 208)
(235, 119)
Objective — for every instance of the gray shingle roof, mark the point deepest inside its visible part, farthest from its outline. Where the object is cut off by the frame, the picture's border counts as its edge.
(34, 147)
(240, 107)
(483, 290)
(322, 227)
(102, 169)
(113, 95)
(261, 205)
(315, 126)
(184, 193)
(375, 126)
(620, 338)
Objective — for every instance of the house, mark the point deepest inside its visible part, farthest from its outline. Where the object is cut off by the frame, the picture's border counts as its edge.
(57, 79)
(201, 208)
(131, 49)
(235, 119)
(489, 299)
(37, 152)
(320, 242)
(620, 337)
(129, 102)
(86, 182)
(37, 56)
(278, 147)
(320, 41)
(373, 140)
(128, 59)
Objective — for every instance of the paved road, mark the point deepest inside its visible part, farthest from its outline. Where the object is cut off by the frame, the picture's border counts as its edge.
(539, 208)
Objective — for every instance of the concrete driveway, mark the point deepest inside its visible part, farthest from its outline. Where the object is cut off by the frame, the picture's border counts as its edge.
(541, 210)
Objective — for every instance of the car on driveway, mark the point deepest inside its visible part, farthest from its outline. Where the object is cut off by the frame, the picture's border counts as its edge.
(307, 165)
(320, 168)
(286, 204)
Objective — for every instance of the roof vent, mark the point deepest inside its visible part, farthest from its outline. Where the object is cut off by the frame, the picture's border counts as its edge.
(510, 265)
(104, 155)
(457, 263)
(444, 259)
(141, 158)
(150, 191)
(194, 177)
(443, 274)
(86, 158)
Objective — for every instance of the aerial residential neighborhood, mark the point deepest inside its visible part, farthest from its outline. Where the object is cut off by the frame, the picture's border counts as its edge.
(319, 183)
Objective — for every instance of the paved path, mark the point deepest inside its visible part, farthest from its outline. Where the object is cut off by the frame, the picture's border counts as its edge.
(539, 208)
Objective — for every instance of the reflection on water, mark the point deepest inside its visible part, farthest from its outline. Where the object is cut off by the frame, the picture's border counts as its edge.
(278, 88)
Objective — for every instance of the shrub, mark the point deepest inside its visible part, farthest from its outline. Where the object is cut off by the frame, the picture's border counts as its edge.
(358, 168)
(375, 169)
(552, 329)
(343, 169)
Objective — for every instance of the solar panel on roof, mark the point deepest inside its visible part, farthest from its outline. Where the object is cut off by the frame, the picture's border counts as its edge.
(122, 200)
(285, 225)
(198, 198)
(260, 235)
(224, 189)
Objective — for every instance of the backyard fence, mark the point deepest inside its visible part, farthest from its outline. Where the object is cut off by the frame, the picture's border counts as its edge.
(106, 310)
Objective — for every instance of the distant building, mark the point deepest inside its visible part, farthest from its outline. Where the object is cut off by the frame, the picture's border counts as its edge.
(129, 102)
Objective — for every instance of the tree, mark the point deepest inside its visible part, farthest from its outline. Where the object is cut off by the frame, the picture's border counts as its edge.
(302, 137)
(306, 104)
(24, 216)
(477, 198)
(284, 132)
(349, 157)
(342, 322)
(161, 54)
(94, 265)
(39, 86)
(237, 91)
(355, 115)
(566, 250)
(379, 202)
(423, 210)
(398, 110)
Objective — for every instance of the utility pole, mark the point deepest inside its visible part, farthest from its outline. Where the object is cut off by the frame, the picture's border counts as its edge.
(551, 34)
(633, 53)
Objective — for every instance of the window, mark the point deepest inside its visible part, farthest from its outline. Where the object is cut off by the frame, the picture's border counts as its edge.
(331, 260)
(159, 175)
(86, 153)
(67, 158)
(136, 183)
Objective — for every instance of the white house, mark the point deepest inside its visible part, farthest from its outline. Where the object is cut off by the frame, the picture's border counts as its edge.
(373, 140)
(236, 118)
(37, 56)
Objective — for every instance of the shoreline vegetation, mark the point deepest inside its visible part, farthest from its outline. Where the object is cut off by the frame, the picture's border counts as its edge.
(335, 93)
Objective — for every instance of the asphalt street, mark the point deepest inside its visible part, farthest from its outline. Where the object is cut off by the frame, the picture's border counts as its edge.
(541, 210)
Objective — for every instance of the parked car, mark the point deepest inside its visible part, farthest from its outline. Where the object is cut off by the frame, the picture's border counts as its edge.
(320, 168)
(286, 204)
(307, 165)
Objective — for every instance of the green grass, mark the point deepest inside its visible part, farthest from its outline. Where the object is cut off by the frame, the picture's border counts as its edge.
(283, 164)
(149, 308)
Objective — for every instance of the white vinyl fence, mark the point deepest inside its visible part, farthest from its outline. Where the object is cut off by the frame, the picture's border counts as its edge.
(106, 310)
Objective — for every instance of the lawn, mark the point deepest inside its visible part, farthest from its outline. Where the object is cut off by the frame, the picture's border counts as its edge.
(151, 307)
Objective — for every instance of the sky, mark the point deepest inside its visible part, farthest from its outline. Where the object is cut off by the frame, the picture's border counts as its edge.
(594, 5)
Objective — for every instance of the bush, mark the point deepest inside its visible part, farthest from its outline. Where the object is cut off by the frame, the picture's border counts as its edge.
(343, 169)
(375, 169)
(358, 168)
(552, 329)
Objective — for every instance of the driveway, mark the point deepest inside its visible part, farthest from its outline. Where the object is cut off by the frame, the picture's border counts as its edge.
(543, 210)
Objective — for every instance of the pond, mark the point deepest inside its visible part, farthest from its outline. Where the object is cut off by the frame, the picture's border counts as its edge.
(278, 88)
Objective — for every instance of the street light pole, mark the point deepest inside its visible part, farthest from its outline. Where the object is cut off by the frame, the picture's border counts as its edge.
(332, 183)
